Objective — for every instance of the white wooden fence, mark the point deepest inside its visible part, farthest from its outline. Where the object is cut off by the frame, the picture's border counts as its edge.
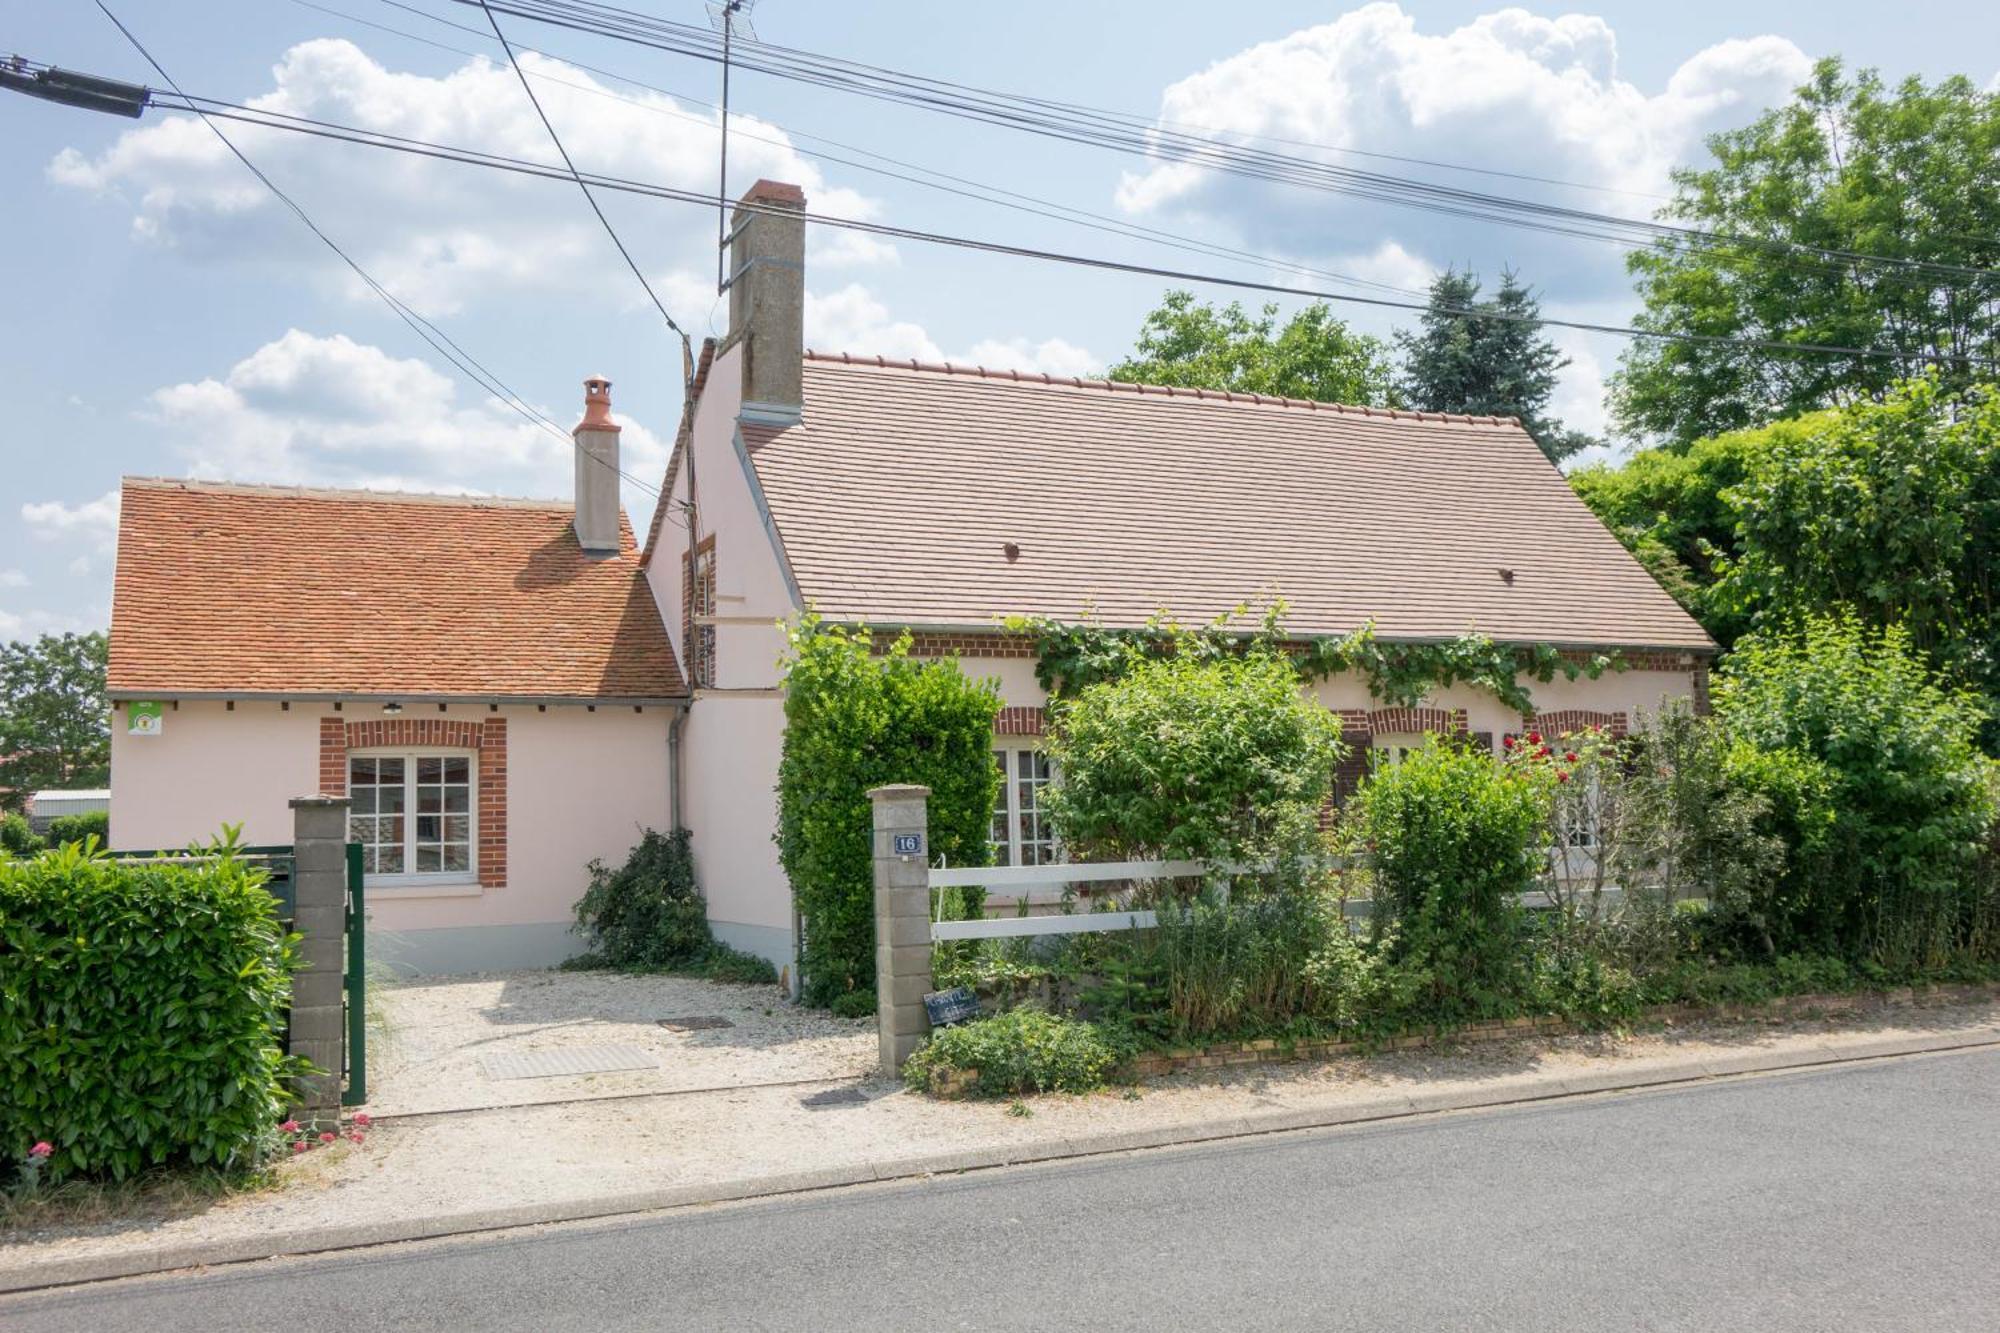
(1025, 879)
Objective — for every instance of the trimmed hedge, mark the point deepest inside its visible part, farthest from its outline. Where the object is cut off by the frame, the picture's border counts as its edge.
(76, 828)
(142, 1006)
(857, 719)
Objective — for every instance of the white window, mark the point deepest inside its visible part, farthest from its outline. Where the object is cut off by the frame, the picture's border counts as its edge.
(1393, 747)
(412, 814)
(1020, 835)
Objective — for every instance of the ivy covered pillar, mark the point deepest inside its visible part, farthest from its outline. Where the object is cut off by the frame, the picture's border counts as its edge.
(902, 920)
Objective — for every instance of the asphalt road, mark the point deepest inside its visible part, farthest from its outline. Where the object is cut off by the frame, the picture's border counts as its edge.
(1861, 1197)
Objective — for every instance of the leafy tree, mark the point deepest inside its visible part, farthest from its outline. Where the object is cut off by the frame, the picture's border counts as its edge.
(1667, 505)
(857, 719)
(1890, 509)
(1192, 344)
(1889, 754)
(1848, 167)
(1189, 758)
(1487, 367)
(54, 721)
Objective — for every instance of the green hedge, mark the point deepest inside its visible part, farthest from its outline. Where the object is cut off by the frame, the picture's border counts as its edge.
(857, 719)
(141, 1012)
(75, 828)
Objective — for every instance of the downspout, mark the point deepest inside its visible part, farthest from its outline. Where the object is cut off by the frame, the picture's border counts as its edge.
(674, 767)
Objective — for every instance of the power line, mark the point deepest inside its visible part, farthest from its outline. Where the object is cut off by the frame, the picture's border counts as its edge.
(1126, 133)
(438, 339)
(473, 157)
(589, 198)
(981, 191)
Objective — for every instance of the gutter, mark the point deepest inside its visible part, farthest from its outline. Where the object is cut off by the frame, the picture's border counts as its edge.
(674, 768)
(377, 696)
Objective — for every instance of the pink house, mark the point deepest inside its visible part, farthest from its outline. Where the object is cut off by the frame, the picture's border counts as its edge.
(934, 498)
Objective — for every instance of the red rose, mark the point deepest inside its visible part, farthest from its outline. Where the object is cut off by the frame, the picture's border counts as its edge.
(1508, 742)
(1570, 755)
(1562, 777)
(1534, 738)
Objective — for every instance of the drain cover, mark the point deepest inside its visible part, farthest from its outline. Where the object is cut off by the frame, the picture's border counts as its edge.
(834, 1097)
(696, 1023)
(566, 1060)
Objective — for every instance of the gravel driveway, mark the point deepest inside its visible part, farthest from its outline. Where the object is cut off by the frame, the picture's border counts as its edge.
(427, 1051)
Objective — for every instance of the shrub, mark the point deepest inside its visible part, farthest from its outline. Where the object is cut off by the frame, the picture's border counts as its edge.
(854, 1004)
(1243, 966)
(141, 1007)
(1191, 757)
(649, 916)
(17, 836)
(1888, 771)
(1455, 839)
(1022, 1050)
(856, 720)
(648, 912)
(76, 828)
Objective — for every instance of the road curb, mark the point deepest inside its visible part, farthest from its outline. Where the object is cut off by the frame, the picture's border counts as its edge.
(72, 1272)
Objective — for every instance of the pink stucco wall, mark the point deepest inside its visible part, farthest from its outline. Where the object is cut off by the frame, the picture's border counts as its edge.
(579, 785)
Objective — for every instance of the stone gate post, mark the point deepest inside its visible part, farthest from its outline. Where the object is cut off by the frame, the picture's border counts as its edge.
(902, 920)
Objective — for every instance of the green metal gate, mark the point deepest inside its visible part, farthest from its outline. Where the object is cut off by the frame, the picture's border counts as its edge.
(277, 861)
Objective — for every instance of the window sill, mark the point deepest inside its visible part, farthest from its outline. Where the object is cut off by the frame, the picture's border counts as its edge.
(422, 888)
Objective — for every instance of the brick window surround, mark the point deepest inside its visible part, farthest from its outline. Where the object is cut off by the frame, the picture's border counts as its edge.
(1565, 720)
(1020, 720)
(487, 737)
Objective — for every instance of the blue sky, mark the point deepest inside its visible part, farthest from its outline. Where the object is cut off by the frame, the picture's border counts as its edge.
(169, 318)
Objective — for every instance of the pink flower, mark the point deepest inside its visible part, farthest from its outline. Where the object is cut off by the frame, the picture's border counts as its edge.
(356, 1136)
(290, 1127)
(328, 1137)
(300, 1145)
(361, 1118)
(42, 1149)
(1562, 777)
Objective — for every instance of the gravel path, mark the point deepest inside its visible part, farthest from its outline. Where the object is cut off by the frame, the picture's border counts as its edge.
(430, 1165)
(427, 1055)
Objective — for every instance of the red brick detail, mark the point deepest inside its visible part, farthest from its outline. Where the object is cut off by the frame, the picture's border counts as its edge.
(1020, 720)
(487, 737)
(332, 756)
(493, 803)
(1564, 721)
(1438, 720)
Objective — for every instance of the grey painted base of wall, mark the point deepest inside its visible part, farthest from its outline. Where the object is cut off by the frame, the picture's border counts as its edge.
(771, 943)
(455, 949)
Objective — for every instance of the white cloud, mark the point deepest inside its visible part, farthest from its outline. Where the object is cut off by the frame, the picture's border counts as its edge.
(1055, 356)
(313, 410)
(93, 521)
(13, 578)
(444, 236)
(853, 319)
(1508, 91)
(28, 624)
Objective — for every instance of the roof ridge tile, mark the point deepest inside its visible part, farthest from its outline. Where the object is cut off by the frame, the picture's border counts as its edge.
(1019, 376)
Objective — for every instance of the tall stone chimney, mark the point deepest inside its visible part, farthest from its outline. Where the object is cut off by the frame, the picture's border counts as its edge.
(596, 439)
(767, 298)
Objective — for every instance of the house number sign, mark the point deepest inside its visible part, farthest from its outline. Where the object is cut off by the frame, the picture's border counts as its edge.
(909, 844)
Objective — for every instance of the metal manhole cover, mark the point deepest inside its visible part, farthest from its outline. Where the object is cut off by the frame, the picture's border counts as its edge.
(566, 1060)
(834, 1097)
(696, 1023)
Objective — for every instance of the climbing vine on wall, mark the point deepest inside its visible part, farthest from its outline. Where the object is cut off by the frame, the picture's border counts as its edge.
(1069, 656)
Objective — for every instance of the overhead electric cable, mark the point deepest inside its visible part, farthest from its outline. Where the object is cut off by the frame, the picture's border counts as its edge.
(437, 338)
(473, 157)
(1154, 140)
(589, 198)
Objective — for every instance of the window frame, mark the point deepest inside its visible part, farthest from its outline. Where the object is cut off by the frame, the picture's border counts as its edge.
(408, 755)
(1010, 799)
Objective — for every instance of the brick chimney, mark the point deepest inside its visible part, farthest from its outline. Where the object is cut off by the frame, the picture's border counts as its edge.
(767, 298)
(596, 439)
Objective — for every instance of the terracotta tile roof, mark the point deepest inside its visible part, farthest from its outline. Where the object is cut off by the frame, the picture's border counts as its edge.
(280, 590)
(898, 496)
